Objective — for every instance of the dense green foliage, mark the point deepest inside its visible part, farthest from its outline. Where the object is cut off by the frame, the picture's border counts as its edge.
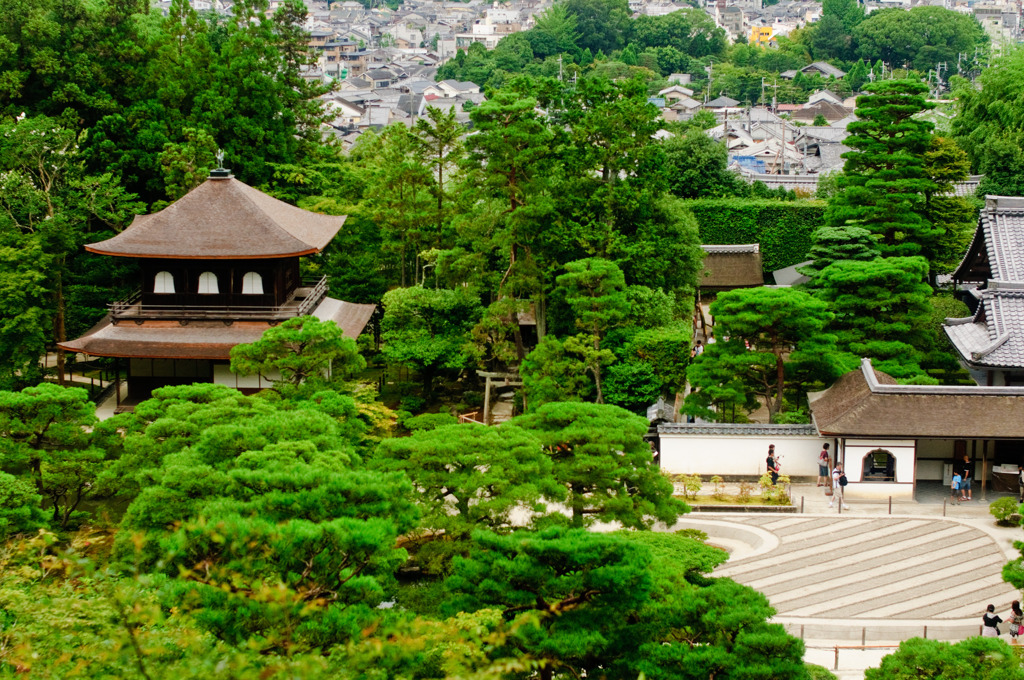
(287, 533)
(784, 229)
(768, 336)
(263, 533)
(975, 657)
(881, 311)
(990, 126)
(918, 38)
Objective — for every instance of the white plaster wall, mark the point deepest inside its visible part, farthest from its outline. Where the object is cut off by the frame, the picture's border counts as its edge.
(932, 454)
(929, 470)
(856, 449)
(738, 454)
(878, 491)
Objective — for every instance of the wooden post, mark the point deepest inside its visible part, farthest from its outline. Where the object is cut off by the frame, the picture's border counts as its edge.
(836, 666)
(117, 380)
(984, 465)
(487, 400)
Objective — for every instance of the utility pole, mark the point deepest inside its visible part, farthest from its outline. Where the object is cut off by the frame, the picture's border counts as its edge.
(710, 69)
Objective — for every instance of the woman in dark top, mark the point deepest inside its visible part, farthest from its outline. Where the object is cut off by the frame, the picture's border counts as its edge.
(990, 621)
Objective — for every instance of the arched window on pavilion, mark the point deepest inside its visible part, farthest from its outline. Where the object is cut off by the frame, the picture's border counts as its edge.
(208, 284)
(163, 282)
(252, 284)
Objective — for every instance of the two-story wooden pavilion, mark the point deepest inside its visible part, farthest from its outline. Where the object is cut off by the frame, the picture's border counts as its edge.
(217, 268)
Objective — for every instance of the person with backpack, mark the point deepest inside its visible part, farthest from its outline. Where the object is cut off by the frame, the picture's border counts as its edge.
(839, 487)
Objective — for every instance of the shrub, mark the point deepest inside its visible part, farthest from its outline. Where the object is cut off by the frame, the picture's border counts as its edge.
(815, 672)
(719, 486)
(412, 403)
(691, 485)
(1004, 510)
(746, 489)
(429, 421)
(695, 534)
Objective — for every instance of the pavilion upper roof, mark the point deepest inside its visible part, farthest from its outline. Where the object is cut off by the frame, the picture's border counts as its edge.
(223, 218)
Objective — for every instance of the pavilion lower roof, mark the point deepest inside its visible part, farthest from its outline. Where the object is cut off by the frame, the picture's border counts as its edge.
(211, 340)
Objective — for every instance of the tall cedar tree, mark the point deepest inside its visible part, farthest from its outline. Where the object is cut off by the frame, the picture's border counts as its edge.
(884, 181)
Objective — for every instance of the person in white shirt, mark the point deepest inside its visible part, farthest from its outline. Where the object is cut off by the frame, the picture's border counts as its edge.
(838, 488)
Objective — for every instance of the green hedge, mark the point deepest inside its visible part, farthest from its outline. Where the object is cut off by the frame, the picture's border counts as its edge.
(783, 228)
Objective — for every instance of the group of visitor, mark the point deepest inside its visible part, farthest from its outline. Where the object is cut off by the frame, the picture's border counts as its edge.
(838, 478)
(1014, 622)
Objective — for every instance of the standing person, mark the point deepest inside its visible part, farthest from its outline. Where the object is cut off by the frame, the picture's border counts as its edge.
(1020, 483)
(990, 622)
(954, 488)
(1016, 620)
(773, 466)
(698, 349)
(838, 487)
(824, 462)
(966, 473)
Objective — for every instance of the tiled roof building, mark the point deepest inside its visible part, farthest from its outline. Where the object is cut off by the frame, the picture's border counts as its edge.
(991, 341)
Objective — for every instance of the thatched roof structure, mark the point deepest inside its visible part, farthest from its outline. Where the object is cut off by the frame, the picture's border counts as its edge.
(223, 218)
(868, 403)
(733, 266)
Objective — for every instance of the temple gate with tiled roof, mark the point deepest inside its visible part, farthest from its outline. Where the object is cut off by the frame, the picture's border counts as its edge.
(217, 268)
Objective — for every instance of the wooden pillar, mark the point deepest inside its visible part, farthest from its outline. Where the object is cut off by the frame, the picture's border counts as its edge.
(913, 491)
(487, 400)
(117, 380)
(984, 464)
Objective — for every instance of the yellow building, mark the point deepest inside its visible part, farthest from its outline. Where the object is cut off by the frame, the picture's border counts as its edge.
(761, 35)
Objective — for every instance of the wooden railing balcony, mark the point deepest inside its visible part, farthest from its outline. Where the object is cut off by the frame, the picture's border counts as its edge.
(303, 301)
